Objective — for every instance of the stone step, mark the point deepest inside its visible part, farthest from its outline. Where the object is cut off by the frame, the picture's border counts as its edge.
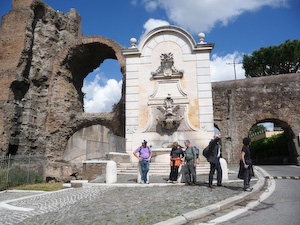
(158, 168)
(155, 165)
(159, 171)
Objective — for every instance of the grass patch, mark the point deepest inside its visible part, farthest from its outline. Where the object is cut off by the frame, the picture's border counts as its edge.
(40, 187)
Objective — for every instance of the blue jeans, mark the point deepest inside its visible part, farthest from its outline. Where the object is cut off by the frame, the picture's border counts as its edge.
(145, 168)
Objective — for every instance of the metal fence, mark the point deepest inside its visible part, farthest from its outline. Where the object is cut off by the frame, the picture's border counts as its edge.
(21, 169)
(100, 150)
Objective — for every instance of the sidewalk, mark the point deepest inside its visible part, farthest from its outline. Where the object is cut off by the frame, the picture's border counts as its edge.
(113, 204)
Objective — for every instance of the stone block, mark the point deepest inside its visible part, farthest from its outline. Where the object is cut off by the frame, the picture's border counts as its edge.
(111, 172)
(78, 183)
(118, 157)
(93, 168)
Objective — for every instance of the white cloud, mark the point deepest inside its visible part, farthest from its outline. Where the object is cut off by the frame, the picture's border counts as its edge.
(150, 5)
(134, 2)
(202, 16)
(101, 98)
(153, 23)
(221, 71)
(269, 126)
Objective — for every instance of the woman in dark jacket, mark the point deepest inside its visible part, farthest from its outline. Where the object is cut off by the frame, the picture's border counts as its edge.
(246, 168)
(175, 158)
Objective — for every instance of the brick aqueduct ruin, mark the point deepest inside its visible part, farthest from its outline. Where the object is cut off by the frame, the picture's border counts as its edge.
(44, 59)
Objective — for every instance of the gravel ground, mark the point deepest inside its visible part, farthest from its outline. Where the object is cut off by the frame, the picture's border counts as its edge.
(13, 195)
(125, 205)
(115, 205)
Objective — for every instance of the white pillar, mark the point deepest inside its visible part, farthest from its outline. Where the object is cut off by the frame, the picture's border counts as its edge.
(224, 169)
(111, 172)
(181, 178)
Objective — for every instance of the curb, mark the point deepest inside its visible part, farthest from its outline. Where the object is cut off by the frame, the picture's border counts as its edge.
(205, 211)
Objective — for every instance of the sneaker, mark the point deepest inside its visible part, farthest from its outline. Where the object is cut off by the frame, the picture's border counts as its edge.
(212, 186)
(248, 189)
(169, 181)
(220, 185)
(142, 182)
(147, 182)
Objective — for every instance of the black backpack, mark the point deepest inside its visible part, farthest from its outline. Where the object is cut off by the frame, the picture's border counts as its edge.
(206, 151)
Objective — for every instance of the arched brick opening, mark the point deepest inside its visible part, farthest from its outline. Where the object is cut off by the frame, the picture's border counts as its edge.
(238, 105)
(291, 151)
(65, 109)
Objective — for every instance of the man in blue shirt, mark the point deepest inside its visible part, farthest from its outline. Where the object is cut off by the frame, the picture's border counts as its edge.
(144, 157)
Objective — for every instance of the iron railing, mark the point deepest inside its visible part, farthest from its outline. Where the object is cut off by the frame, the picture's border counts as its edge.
(17, 170)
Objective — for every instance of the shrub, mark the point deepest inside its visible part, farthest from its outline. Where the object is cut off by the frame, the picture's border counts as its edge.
(276, 145)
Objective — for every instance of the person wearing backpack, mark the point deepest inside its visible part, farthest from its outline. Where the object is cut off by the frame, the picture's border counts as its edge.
(213, 157)
(144, 157)
(190, 164)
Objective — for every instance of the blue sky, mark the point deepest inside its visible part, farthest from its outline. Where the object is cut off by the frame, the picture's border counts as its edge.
(236, 27)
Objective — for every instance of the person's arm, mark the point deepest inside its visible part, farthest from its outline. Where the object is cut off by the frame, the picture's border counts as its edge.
(243, 159)
(135, 154)
(182, 154)
(195, 156)
(213, 143)
(150, 155)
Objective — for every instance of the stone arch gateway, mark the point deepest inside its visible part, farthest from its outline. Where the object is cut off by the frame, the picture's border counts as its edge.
(238, 105)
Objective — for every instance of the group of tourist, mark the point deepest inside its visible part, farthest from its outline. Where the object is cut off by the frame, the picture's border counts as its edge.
(189, 160)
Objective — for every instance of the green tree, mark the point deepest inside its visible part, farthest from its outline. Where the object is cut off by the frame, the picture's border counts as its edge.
(273, 60)
(258, 128)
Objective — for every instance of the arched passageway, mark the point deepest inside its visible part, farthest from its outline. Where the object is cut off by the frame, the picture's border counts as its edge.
(273, 146)
(65, 111)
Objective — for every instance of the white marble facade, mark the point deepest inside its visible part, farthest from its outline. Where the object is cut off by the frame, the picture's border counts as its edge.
(180, 93)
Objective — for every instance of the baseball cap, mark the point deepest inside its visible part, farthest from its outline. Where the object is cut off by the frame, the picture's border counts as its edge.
(144, 141)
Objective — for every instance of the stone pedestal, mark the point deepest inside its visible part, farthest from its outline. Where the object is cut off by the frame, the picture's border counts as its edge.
(111, 172)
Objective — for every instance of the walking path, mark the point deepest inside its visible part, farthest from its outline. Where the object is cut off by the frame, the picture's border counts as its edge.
(114, 204)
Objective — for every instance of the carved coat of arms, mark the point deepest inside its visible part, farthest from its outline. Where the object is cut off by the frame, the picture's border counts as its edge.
(166, 68)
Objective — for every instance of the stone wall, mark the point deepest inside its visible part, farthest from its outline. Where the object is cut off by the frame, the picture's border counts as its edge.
(238, 105)
(43, 61)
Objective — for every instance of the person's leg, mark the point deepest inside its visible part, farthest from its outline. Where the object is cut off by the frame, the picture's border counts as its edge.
(170, 177)
(211, 173)
(172, 170)
(143, 169)
(146, 170)
(193, 173)
(246, 179)
(219, 173)
(175, 173)
(187, 173)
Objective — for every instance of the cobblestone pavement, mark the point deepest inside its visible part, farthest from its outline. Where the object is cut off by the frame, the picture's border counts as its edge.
(113, 205)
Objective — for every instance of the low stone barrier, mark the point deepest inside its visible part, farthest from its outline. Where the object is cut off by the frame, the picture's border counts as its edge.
(94, 168)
